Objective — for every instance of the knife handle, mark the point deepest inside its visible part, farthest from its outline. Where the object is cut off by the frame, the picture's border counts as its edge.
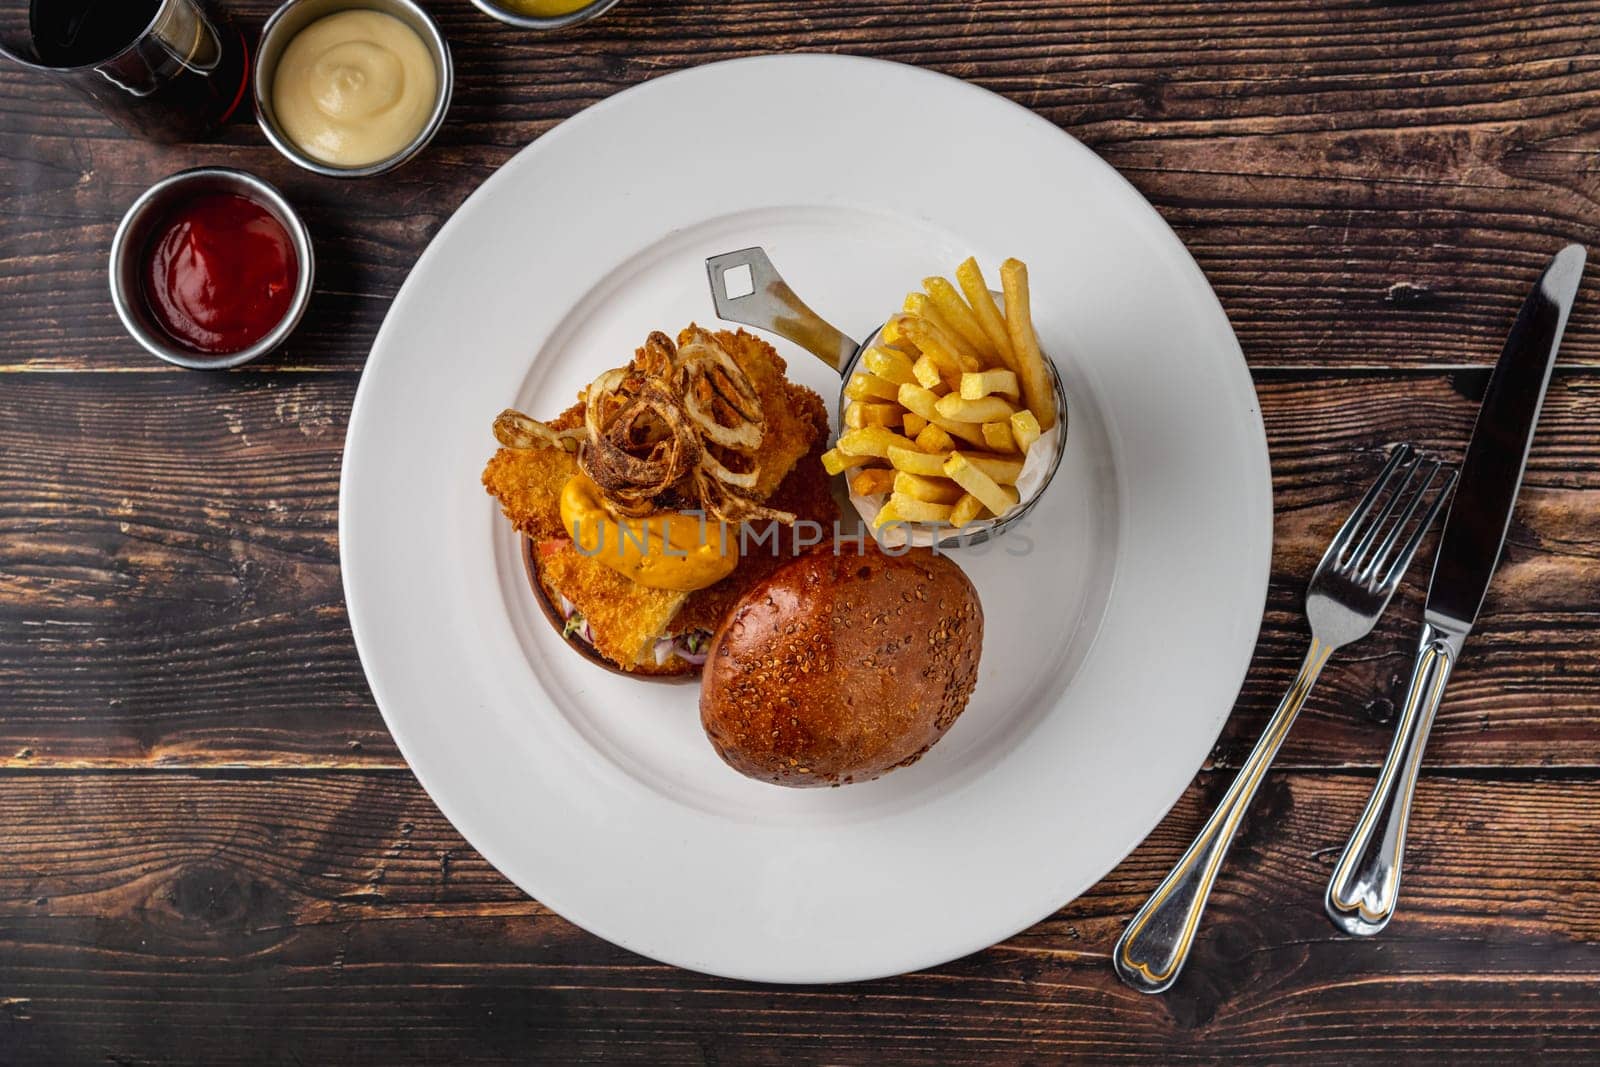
(1366, 881)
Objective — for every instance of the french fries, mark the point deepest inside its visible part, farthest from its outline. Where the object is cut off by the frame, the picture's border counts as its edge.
(984, 409)
(887, 514)
(948, 402)
(874, 441)
(904, 509)
(975, 385)
(999, 438)
(916, 461)
(919, 305)
(997, 498)
(868, 413)
(836, 462)
(930, 490)
(1003, 469)
(968, 509)
(930, 340)
(950, 304)
(890, 364)
(1025, 429)
(928, 374)
(1029, 361)
(931, 348)
(925, 402)
(983, 309)
(866, 386)
(934, 439)
(872, 482)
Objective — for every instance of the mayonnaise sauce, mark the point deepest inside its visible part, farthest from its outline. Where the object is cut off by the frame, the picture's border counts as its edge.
(667, 551)
(354, 88)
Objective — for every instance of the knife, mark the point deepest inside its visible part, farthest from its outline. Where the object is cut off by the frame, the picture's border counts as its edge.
(1366, 881)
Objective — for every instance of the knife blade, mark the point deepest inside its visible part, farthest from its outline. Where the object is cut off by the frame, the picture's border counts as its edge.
(1475, 528)
(1365, 887)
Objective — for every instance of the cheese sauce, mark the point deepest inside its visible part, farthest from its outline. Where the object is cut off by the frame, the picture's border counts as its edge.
(667, 551)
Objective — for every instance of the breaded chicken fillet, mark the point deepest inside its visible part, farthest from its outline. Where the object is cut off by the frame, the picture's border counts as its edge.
(651, 631)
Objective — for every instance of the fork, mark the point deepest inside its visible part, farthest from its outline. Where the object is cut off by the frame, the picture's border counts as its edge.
(1348, 592)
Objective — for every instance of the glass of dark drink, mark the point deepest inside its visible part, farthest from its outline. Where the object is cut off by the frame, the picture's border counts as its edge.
(167, 70)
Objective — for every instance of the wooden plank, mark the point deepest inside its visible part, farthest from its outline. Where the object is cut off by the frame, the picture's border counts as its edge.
(169, 577)
(169, 581)
(335, 918)
(1364, 185)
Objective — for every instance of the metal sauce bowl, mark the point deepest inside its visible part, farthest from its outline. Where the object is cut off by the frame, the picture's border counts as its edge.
(132, 241)
(594, 9)
(296, 15)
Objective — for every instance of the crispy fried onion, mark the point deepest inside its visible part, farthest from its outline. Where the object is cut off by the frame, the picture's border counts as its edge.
(513, 429)
(640, 442)
(676, 427)
(708, 375)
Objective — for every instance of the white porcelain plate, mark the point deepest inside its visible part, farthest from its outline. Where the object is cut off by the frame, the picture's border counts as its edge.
(1118, 624)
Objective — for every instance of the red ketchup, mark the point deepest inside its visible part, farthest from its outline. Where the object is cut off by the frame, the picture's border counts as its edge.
(220, 273)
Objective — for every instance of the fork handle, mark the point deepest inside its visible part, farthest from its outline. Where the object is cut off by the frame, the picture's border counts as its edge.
(1366, 881)
(1153, 948)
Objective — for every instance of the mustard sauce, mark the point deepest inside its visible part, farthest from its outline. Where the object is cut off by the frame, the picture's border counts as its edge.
(544, 8)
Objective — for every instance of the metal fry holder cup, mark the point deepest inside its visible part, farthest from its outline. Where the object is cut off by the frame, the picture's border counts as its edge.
(771, 305)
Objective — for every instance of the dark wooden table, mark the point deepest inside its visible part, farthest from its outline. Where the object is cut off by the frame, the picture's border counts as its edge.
(210, 850)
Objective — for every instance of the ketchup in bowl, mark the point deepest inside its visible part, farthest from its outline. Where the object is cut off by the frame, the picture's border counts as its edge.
(219, 273)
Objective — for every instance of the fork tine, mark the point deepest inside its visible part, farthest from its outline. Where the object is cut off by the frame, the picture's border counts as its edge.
(1341, 540)
(1379, 559)
(1353, 558)
(1403, 561)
